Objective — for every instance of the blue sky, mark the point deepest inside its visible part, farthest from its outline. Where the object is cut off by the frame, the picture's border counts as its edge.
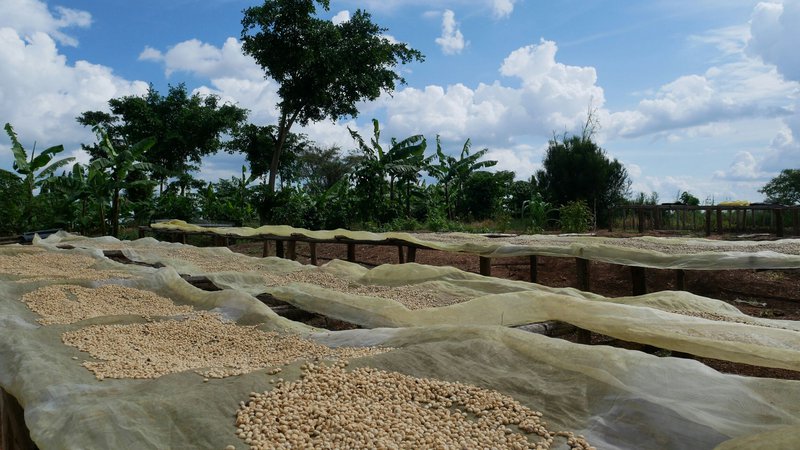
(697, 95)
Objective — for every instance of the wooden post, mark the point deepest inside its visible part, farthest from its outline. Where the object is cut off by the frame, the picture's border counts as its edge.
(486, 266)
(584, 336)
(14, 433)
(401, 257)
(719, 220)
(411, 254)
(182, 237)
(795, 223)
(641, 220)
(656, 218)
(266, 249)
(351, 252)
(680, 280)
(312, 249)
(610, 219)
(279, 248)
(639, 279)
(708, 222)
(582, 270)
(291, 250)
(779, 222)
(141, 232)
(534, 270)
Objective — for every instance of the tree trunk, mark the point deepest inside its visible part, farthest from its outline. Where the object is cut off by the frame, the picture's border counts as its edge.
(283, 131)
(447, 202)
(391, 191)
(115, 213)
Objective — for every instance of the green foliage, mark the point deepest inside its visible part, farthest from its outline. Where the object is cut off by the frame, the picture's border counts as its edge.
(482, 194)
(538, 212)
(401, 164)
(34, 171)
(575, 216)
(453, 173)
(258, 146)
(120, 163)
(784, 188)
(11, 203)
(323, 70)
(643, 199)
(575, 168)
(688, 199)
(185, 128)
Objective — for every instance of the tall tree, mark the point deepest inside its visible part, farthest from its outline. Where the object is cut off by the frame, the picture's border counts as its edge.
(783, 189)
(323, 70)
(257, 143)
(576, 168)
(186, 127)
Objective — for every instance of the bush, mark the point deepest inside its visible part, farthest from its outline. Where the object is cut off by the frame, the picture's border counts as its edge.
(576, 217)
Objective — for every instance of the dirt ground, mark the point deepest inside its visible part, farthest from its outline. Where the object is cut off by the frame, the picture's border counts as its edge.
(760, 293)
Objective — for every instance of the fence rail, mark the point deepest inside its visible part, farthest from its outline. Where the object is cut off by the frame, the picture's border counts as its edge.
(772, 219)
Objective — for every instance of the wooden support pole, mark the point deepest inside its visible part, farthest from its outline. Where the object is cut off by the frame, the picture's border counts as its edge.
(486, 266)
(141, 232)
(312, 249)
(265, 253)
(401, 257)
(182, 237)
(796, 221)
(656, 218)
(549, 328)
(351, 252)
(719, 220)
(14, 433)
(582, 271)
(708, 222)
(279, 248)
(534, 270)
(639, 279)
(584, 336)
(411, 254)
(680, 280)
(779, 222)
(291, 250)
(640, 215)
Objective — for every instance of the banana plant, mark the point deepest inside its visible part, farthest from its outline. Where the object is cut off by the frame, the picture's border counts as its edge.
(402, 160)
(118, 163)
(452, 172)
(33, 170)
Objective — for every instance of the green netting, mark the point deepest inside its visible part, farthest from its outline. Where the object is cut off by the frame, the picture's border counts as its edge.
(617, 398)
(654, 252)
(678, 321)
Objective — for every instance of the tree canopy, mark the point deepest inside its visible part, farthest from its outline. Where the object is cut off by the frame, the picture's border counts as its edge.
(576, 168)
(322, 69)
(783, 189)
(186, 128)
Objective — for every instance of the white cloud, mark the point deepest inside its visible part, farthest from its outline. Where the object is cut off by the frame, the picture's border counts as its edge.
(745, 167)
(451, 41)
(341, 17)
(774, 34)
(502, 8)
(736, 90)
(28, 17)
(523, 160)
(46, 92)
(205, 60)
